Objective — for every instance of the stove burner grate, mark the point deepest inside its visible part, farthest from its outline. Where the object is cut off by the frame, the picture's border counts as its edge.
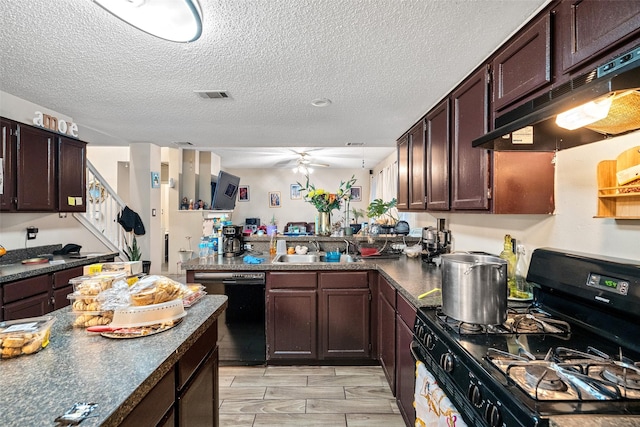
(566, 374)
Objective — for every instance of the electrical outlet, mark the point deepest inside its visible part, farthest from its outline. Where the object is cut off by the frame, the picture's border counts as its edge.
(31, 233)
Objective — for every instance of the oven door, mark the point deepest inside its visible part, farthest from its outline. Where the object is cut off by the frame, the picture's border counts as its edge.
(433, 407)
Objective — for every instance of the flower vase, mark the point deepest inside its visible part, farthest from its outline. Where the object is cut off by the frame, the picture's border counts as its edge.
(324, 224)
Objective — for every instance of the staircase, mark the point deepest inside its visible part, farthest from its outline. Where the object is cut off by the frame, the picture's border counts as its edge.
(103, 207)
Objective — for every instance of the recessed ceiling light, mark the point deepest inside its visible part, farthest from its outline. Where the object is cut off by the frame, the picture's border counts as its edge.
(321, 102)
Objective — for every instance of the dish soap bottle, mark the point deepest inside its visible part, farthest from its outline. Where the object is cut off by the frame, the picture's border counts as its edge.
(508, 255)
(523, 288)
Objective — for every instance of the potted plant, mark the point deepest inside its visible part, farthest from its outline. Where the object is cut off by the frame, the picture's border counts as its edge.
(134, 253)
(380, 211)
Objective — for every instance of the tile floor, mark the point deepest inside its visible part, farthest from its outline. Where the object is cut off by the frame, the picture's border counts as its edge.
(350, 396)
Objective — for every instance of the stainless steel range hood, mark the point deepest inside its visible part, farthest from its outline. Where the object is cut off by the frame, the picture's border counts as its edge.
(532, 126)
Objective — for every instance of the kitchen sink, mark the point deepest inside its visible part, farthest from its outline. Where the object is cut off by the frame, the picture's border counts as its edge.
(311, 258)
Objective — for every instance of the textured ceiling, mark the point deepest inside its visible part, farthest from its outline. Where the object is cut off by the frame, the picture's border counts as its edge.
(382, 63)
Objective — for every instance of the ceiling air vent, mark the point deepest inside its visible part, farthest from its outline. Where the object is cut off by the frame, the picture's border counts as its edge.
(354, 144)
(213, 94)
(183, 143)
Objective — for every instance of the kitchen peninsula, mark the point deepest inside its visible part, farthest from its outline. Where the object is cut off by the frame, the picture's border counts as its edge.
(152, 380)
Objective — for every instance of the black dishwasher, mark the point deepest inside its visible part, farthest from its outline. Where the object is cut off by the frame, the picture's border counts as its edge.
(241, 330)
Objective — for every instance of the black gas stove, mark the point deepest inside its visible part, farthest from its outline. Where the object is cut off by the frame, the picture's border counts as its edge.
(574, 349)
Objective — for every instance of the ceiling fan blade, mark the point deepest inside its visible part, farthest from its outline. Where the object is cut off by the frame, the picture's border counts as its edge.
(319, 165)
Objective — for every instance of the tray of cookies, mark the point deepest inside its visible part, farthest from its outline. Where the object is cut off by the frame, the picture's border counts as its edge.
(24, 336)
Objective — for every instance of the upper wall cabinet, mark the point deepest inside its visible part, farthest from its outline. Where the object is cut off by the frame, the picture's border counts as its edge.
(524, 65)
(438, 148)
(43, 172)
(590, 30)
(9, 135)
(417, 167)
(35, 172)
(470, 166)
(72, 181)
(403, 173)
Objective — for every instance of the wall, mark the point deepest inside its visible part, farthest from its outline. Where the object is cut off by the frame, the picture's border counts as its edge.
(263, 181)
(572, 228)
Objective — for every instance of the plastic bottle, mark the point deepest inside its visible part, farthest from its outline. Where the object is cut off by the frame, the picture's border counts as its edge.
(220, 241)
(508, 255)
(523, 288)
(203, 249)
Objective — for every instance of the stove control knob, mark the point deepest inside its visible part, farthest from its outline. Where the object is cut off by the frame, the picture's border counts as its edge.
(492, 415)
(474, 395)
(446, 362)
(430, 341)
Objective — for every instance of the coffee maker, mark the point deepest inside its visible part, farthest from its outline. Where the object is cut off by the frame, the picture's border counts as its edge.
(232, 241)
(435, 242)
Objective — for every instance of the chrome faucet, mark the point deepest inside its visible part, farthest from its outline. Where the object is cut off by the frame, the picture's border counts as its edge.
(316, 244)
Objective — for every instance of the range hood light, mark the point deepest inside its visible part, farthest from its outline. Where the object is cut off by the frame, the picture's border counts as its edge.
(585, 114)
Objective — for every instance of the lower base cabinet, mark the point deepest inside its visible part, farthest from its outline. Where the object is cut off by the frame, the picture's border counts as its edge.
(187, 396)
(405, 364)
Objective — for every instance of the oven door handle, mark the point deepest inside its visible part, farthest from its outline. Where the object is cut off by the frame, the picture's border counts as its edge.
(415, 352)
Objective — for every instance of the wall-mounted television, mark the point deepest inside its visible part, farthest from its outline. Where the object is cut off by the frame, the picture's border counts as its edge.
(224, 191)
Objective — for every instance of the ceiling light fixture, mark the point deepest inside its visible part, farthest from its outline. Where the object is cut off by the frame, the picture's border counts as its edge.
(173, 20)
(321, 102)
(303, 169)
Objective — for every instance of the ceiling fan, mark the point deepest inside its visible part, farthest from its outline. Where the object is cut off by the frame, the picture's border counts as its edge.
(303, 164)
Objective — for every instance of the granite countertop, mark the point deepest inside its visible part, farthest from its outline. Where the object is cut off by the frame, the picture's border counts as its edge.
(411, 276)
(16, 271)
(78, 366)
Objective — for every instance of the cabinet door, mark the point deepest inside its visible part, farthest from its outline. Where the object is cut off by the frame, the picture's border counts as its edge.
(524, 65)
(61, 278)
(344, 323)
(24, 288)
(8, 149)
(523, 182)
(156, 406)
(71, 175)
(405, 371)
(417, 157)
(403, 173)
(34, 306)
(36, 183)
(197, 404)
(470, 166)
(60, 297)
(592, 28)
(387, 339)
(292, 324)
(438, 149)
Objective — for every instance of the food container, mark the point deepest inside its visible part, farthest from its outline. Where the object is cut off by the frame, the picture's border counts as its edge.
(156, 289)
(413, 251)
(474, 288)
(24, 336)
(129, 267)
(147, 315)
(85, 319)
(96, 283)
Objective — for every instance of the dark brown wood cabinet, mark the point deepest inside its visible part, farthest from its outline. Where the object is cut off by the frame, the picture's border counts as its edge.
(405, 363)
(438, 149)
(292, 302)
(417, 162)
(345, 310)
(470, 166)
(61, 286)
(187, 395)
(35, 171)
(523, 66)
(387, 330)
(42, 170)
(26, 298)
(592, 30)
(8, 149)
(72, 179)
(403, 172)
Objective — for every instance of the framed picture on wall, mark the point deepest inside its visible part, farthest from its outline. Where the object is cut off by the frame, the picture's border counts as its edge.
(155, 179)
(274, 199)
(295, 192)
(356, 194)
(243, 193)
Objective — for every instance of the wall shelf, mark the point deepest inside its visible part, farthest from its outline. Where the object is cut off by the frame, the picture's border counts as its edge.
(618, 201)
